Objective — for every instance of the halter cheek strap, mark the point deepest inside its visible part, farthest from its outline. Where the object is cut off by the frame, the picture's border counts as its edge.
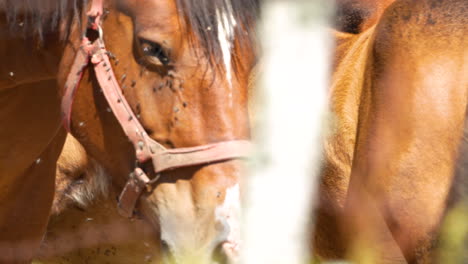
(146, 149)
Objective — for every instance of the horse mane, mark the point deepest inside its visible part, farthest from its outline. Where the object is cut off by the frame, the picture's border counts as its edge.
(39, 17)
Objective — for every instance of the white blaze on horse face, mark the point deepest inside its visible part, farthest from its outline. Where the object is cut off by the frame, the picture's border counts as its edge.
(228, 213)
(226, 24)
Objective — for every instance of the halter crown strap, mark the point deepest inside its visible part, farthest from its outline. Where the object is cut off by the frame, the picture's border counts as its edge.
(145, 148)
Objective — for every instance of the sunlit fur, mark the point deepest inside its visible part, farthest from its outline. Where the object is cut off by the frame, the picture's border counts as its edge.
(398, 97)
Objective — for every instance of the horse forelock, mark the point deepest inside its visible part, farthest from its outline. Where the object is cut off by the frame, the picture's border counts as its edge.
(216, 24)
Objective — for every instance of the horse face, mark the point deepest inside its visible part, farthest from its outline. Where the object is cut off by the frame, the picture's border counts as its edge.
(184, 94)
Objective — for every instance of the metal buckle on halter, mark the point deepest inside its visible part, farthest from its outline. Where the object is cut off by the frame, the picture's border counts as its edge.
(143, 176)
(94, 16)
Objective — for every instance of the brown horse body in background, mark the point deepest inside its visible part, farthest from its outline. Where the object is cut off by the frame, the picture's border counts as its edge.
(31, 137)
(399, 96)
(185, 76)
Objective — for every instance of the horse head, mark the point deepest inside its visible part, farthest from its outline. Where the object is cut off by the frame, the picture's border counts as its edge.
(183, 68)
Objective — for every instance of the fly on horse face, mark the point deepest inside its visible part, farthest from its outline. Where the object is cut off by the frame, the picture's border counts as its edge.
(399, 98)
(154, 90)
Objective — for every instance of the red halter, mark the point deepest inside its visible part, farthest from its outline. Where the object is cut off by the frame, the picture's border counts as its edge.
(146, 148)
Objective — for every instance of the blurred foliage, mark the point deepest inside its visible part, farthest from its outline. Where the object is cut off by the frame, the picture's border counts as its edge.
(453, 243)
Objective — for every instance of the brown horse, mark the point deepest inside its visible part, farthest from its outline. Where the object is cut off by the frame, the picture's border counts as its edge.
(399, 96)
(183, 67)
(31, 134)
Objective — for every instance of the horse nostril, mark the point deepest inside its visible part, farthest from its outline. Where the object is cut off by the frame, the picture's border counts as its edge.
(219, 255)
(165, 247)
(167, 254)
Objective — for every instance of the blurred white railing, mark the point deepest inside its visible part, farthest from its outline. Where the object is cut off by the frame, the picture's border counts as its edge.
(290, 109)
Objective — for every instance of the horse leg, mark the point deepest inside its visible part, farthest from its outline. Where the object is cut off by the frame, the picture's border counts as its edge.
(411, 120)
(30, 142)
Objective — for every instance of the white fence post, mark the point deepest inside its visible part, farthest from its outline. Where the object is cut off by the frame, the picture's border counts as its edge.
(292, 93)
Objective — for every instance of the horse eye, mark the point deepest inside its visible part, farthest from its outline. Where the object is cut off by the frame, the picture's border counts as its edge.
(154, 50)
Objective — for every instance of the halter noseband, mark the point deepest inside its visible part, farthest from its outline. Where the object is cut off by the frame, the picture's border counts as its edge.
(145, 148)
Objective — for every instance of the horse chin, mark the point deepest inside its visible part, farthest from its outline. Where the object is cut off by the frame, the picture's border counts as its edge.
(193, 228)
